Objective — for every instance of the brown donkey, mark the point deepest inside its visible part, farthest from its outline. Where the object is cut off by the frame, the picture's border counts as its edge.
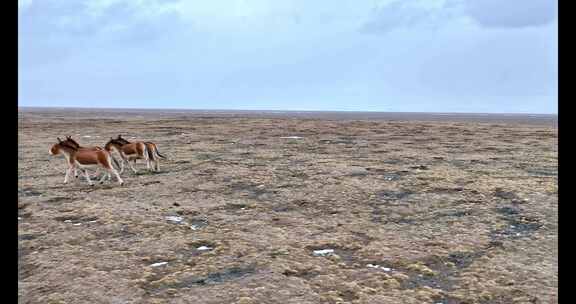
(128, 152)
(73, 143)
(153, 153)
(78, 157)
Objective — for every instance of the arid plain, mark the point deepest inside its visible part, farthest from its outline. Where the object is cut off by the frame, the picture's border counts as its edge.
(293, 208)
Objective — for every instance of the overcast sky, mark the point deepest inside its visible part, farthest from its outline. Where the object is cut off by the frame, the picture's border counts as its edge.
(363, 55)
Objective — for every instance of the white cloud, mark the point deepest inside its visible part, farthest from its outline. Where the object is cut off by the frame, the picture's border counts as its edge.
(418, 14)
(512, 13)
(434, 14)
(258, 52)
(50, 30)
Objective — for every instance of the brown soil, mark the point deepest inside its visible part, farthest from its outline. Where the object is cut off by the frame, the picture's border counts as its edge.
(449, 211)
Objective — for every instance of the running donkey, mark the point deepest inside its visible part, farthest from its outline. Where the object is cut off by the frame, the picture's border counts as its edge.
(132, 151)
(73, 143)
(77, 156)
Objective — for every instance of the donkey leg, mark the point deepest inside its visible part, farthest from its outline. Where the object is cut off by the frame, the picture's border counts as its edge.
(132, 167)
(147, 159)
(122, 161)
(104, 175)
(97, 172)
(68, 173)
(88, 177)
(118, 178)
(121, 165)
(127, 159)
(146, 156)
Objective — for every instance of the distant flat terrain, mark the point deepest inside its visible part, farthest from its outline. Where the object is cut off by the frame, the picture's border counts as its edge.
(535, 119)
(293, 207)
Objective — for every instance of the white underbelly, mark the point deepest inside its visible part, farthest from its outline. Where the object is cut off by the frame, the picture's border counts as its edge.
(86, 166)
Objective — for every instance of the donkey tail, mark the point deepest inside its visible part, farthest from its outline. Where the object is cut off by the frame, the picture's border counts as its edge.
(146, 152)
(155, 150)
(149, 150)
(158, 152)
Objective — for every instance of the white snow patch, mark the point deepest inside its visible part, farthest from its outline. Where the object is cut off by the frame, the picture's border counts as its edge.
(323, 252)
(175, 219)
(204, 248)
(378, 267)
(87, 136)
(292, 137)
(159, 264)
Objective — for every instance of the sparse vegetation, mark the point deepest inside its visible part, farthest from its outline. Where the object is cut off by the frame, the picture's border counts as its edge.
(443, 212)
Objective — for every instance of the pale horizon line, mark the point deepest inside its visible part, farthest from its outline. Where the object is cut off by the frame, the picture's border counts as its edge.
(280, 110)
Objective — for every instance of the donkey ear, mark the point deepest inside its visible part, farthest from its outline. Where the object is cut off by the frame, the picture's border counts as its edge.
(68, 137)
(59, 140)
(119, 136)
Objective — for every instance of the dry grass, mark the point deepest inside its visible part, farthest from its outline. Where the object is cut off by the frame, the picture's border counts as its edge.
(456, 212)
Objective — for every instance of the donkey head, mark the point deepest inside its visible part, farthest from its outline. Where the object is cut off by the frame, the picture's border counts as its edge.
(121, 140)
(71, 142)
(55, 149)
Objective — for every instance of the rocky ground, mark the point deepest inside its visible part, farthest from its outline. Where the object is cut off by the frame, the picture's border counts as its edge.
(292, 210)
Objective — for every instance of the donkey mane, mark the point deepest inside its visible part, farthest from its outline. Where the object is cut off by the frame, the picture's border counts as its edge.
(119, 139)
(72, 141)
(65, 144)
(116, 142)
